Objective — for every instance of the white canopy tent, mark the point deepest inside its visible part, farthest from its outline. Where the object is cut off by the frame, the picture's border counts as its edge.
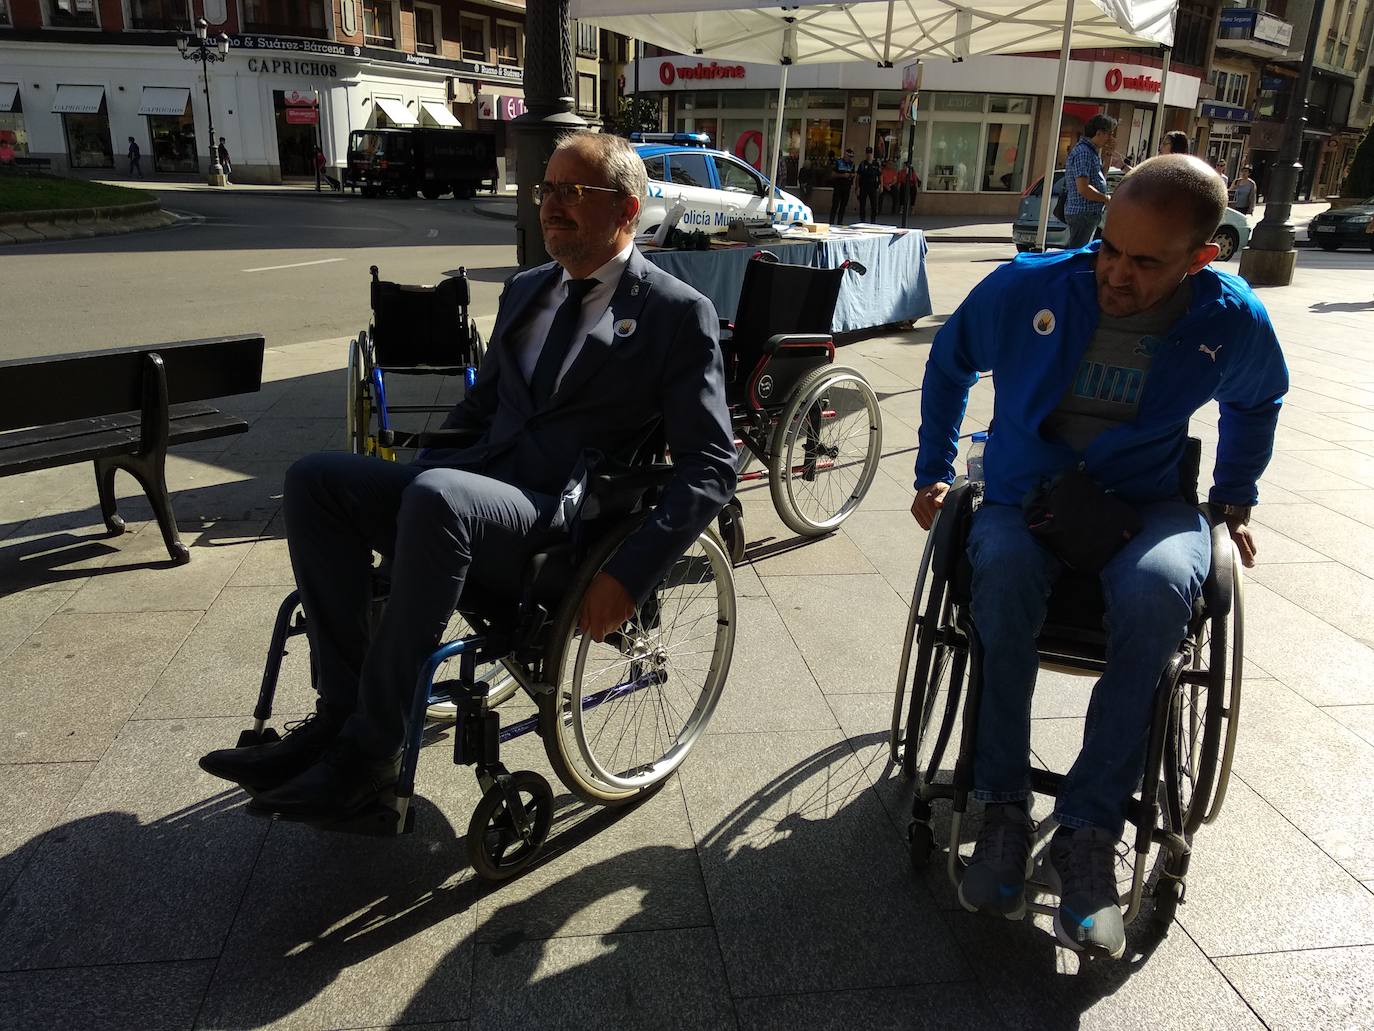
(889, 33)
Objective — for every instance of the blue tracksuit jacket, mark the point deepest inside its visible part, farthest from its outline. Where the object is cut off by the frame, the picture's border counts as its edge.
(1030, 323)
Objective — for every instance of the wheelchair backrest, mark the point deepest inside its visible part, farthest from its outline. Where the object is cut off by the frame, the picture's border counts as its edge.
(777, 298)
(421, 325)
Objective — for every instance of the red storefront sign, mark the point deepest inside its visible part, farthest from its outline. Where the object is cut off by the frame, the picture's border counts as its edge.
(1116, 80)
(298, 98)
(668, 73)
(302, 116)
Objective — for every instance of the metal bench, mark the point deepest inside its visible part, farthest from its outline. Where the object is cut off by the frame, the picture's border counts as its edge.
(122, 409)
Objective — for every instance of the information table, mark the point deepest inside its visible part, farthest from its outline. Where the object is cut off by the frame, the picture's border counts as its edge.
(894, 290)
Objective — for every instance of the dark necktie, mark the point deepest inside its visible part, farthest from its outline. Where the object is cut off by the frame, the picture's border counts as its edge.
(559, 341)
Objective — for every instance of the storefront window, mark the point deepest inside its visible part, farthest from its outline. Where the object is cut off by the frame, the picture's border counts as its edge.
(953, 156)
(743, 98)
(1004, 161)
(824, 141)
(915, 153)
(88, 139)
(820, 99)
(296, 140)
(174, 142)
(962, 103)
(744, 138)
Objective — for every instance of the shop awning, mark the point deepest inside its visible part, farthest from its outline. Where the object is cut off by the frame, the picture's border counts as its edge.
(439, 113)
(165, 100)
(78, 100)
(397, 112)
(8, 92)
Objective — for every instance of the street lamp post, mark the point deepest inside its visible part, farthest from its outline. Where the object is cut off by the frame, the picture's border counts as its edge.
(1270, 257)
(200, 48)
(548, 115)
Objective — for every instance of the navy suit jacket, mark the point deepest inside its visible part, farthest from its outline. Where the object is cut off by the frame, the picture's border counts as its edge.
(657, 357)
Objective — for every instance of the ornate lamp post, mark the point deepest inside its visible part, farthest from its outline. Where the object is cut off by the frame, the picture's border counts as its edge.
(548, 115)
(200, 48)
(1270, 257)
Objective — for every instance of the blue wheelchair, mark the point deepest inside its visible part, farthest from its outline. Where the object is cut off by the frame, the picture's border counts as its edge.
(1196, 713)
(616, 718)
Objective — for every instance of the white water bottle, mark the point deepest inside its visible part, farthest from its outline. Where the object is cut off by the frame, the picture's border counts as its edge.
(976, 443)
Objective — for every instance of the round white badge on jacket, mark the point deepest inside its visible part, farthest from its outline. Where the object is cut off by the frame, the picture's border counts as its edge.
(625, 327)
(1043, 322)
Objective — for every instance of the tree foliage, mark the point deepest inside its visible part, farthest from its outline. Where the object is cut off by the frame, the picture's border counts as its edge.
(633, 114)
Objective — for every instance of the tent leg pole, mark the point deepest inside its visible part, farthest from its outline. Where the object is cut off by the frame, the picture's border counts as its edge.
(772, 172)
(1052, 143)
(1158, 133)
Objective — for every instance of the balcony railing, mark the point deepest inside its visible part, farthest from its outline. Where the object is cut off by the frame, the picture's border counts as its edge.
(1253, 32)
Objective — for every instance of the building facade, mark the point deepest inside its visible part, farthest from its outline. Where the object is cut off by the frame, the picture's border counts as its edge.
(980, 131)
(78, 78)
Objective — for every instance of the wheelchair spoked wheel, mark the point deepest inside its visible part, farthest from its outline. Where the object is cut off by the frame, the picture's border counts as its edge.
(358, 422)
(825, 450)
(509, 826)
(624, 713)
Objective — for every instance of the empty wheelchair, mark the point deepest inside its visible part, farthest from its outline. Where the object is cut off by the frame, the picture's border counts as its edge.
(814, 426)
(616, 718)
(415, 331)
(1196, 710)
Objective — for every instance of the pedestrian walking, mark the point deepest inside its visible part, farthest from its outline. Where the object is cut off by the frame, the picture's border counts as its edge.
(841, 181)
(1244, 191)
(1175, 142)
(224, 158)
(870, 175)
(135, 158)
(1085, 184)
(322, 172)
(1220, 166)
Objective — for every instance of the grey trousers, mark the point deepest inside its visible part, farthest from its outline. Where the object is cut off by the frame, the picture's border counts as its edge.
(1081, 229)
(438, 526)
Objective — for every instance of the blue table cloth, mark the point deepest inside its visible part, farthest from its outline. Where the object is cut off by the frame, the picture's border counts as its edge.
(894, 290)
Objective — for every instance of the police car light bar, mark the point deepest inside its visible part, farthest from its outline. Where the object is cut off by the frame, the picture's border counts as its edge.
(683, 139)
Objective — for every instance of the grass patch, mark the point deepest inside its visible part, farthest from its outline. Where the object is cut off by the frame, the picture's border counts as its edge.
(49, 193)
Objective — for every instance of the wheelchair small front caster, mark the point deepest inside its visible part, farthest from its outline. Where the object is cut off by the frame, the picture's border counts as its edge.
(250, 737)
(509, 826)
(921, 840)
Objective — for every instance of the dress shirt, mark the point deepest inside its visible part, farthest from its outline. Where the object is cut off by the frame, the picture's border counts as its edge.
(529, 339)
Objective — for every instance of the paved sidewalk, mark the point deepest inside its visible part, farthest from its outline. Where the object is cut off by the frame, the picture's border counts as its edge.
(767, 886)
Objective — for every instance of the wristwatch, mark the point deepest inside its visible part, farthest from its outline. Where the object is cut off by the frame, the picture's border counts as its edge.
(1241, 513)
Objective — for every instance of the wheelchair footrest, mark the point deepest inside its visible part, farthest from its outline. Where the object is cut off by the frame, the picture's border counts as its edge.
(250, 737)
(387, 817)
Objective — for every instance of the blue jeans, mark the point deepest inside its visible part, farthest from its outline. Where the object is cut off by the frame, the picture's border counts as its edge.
(1081, 228)
(1149, 587)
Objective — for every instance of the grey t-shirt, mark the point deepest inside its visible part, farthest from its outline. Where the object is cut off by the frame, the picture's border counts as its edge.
(1105, 391)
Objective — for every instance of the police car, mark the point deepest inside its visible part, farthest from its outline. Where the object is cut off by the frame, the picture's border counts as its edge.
(715, 186)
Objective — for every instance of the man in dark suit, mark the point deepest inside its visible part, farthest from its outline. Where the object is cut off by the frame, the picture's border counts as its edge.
(587, 353)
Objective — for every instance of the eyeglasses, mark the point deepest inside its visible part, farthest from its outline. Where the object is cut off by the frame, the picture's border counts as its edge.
(565, 193)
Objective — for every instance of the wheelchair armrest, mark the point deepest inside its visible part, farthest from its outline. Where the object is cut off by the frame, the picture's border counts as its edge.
(445, 438)
(796, 340)
(643, 478)
(857, 267)
(1217, 588)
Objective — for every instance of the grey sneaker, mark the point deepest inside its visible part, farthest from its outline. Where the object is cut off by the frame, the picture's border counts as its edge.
(1082, 869)
(995, 881)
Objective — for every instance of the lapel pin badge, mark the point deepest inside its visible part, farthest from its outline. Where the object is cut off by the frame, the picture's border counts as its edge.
(1043, 322)
(634, 290)
(625, 327)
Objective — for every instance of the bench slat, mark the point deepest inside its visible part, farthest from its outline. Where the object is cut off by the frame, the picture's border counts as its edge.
(82, 427)
(107, 442)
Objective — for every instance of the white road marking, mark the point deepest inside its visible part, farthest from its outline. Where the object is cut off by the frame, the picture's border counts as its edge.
(298, 264)
(275, 225)
(432, 233)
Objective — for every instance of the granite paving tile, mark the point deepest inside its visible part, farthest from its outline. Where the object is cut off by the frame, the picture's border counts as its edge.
(849, 628)
(646, 980)
(775, 550)
(274, 438)
(1315, 401)
(23, 613)
(1288, 752)
(32, 798)
(146, 996)
(268, 562)
(935, 1007)
(148, 864)
(1298, 471)
(62, 551)
(1305, 652)
(218, 669)
(892, 541)
(339, 930)
(43, 492)
(783, 822)
(152, 583)
(1030, 982)
(770, 686)
(1355, 504)
(74, 681)
(1359, 718)
(1335, 592)
(1317, 990)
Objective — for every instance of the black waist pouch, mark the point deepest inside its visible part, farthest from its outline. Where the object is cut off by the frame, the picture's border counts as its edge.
(1079, 522)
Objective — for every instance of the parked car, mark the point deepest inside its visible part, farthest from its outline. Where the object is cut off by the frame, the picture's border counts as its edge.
(715, 186)
(1231, 236)
(420, 160)
(1343, 227)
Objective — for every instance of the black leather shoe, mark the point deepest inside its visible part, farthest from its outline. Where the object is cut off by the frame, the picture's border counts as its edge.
(344, 782)
(263, 767)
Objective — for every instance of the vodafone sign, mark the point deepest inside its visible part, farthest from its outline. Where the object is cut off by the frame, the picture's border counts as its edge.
(676, 71)
(1125, 81)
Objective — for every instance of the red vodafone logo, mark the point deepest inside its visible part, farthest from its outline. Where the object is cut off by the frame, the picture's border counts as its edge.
(666, 75)
(1117, 80)
(1113, 79)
